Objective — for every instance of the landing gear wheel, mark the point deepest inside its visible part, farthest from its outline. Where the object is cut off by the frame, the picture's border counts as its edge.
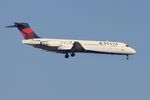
(72, 54)
(127, 57)
(66, 56)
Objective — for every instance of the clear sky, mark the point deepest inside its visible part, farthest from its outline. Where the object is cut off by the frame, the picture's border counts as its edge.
(27, 73)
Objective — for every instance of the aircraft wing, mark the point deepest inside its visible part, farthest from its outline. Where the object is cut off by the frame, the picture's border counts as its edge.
(77, 47)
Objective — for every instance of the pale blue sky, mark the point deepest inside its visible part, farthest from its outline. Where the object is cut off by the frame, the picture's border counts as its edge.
(27, 73)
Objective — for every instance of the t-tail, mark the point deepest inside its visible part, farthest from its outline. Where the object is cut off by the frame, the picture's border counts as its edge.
(25, 30)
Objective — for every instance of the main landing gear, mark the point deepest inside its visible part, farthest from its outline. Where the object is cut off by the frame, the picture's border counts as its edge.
(72, 54)
(67, 55)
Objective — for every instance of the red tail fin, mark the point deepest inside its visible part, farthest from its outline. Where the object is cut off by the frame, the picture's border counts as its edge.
(25, 30)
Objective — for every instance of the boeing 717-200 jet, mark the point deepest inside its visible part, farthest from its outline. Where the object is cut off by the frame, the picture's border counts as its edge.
(66, 46)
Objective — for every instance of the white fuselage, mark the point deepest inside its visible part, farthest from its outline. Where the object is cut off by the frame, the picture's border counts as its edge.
(71, 46)
(85, 46)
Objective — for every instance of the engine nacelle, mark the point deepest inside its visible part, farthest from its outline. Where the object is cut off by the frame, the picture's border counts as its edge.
(51, 43)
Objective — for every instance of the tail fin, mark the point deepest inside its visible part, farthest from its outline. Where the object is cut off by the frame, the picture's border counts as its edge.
(25, 30)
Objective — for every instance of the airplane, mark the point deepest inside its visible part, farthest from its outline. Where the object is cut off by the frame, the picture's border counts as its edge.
(68, 46)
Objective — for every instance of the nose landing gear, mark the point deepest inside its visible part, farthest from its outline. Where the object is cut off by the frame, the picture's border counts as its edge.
(127, 57)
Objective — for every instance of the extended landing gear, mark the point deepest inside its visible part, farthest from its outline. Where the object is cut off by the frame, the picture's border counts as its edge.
(72, 54)
(127, 57)
(67, 55)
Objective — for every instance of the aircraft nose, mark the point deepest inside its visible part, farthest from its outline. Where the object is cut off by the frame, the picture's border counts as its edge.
(133, 51)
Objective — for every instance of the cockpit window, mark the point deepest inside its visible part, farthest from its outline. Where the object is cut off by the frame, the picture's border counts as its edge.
(127, 45)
